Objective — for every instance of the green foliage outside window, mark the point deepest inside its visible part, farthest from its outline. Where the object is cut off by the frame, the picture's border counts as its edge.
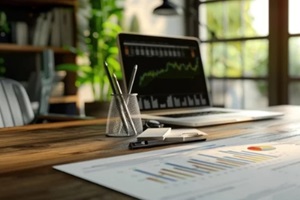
(234, 59)
(230, 19)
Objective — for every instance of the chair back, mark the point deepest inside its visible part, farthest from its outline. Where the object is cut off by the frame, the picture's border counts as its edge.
(15, 106)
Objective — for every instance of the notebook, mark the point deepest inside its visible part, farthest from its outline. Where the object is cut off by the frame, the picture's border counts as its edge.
(171, 84)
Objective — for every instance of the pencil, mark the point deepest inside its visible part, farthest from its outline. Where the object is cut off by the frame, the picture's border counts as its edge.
(118, 103)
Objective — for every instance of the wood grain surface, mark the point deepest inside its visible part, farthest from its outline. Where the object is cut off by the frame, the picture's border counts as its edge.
(28, 153)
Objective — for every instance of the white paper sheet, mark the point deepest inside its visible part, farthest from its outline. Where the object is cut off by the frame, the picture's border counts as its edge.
(254, 166)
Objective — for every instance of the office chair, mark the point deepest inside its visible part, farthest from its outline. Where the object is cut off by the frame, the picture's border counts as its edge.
(15, 106)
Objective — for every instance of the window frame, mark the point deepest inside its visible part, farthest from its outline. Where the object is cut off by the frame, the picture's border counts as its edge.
(278, 78)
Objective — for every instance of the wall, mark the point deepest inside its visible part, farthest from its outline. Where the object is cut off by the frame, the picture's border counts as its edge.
(140, 11)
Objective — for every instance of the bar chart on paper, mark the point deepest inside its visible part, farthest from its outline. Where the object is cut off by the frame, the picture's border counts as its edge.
(200, 165)
(194, 173)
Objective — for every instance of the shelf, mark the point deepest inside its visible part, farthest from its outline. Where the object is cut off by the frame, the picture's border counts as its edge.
(40, 25)
(63, 99)
(68, 99)
(38, 2)
(7, 47)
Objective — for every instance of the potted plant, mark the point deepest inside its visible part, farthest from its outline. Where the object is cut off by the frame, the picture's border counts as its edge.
(4, 27)
(104, 18)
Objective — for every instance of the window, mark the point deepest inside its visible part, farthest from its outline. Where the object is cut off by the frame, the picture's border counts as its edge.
(250, 58)
(294, 52)
(234, 48)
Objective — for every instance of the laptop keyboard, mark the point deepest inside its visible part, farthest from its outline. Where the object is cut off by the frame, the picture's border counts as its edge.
(177, 115)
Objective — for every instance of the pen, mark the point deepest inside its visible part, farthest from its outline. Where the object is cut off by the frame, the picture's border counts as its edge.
(156, 143)
(118, 103)
(130, 85)
(124, 104)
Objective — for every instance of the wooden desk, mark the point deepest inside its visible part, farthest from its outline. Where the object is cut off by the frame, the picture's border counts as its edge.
(27, 154)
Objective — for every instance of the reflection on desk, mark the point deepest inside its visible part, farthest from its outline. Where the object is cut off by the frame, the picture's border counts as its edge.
(27, 154)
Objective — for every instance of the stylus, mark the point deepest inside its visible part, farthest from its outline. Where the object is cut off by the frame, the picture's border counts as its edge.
(156, 143)
(132, 78)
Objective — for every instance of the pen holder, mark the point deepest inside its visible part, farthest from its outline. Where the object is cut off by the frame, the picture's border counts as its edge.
(124, 116)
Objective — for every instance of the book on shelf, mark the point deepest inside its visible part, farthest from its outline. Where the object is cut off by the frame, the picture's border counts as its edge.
(45, 30)
(69, 27)
(37, 29)
(66, 26)
(19, 33)
(54, 28)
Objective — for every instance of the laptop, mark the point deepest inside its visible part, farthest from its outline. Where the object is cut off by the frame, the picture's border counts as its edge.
(171, 84)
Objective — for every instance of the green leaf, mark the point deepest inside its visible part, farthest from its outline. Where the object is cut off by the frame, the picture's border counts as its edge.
(68, 67)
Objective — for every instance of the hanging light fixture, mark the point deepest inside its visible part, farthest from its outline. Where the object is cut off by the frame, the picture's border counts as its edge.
(166, 8)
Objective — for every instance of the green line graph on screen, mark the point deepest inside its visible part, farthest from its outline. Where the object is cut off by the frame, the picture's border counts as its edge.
(170, 71)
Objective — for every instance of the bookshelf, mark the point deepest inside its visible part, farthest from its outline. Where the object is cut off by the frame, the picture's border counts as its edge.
(36, 25)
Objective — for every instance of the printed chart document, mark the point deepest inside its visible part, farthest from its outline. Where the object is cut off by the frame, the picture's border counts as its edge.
(254, 166)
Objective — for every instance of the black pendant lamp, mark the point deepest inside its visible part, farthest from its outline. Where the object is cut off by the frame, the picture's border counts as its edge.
(166, 8)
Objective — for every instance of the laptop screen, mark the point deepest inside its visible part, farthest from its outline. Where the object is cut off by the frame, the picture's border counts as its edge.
(170, 72)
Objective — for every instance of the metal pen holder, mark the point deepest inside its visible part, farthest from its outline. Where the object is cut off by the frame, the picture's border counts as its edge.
(124, 116)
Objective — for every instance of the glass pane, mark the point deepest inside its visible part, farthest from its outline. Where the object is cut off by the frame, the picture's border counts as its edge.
(217, 92)
(256, 53)
(231, 19)
(222, 59)
(255, 94)
(236, 59)
(234, 97)
(205, 50)
(294, 16)
(294, 59)
(294, 94)
(239, 94)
